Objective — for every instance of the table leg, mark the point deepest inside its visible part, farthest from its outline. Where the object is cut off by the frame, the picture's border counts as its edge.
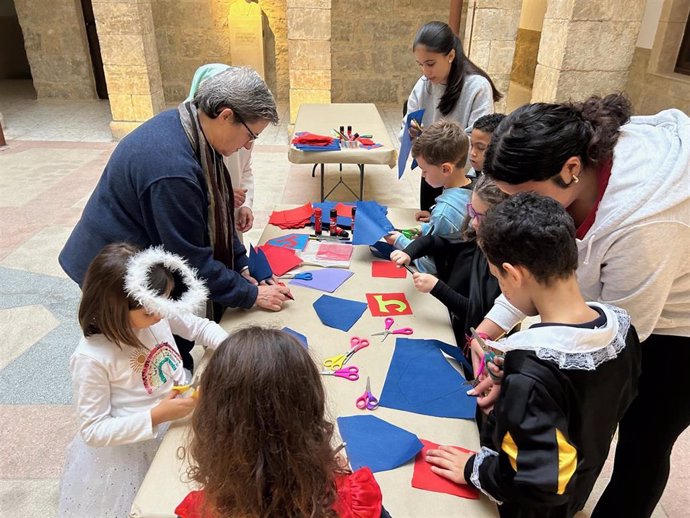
(361, 181)
(322, 175)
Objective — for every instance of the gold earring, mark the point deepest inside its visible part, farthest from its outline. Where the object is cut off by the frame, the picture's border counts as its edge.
(575, 179)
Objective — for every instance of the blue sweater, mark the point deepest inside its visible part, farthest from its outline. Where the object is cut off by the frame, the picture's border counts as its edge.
(153, 192)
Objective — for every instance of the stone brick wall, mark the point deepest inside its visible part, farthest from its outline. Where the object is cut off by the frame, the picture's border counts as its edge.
(525, 59)
(651, 93)
(190, 33)
(371, 46)
(55, 42)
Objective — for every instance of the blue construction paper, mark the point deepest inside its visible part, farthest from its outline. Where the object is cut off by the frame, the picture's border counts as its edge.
(421, 380)
(338, 313)
(259, 268)
(300, 337)
(453, 352)
(382, 250)
(333, 146)
(372, 223)
(406, 142)
(326, 206)
(376, 443)
(324, 279)
(291, 241)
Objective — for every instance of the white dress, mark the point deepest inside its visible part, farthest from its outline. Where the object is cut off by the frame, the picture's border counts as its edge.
(114, 392)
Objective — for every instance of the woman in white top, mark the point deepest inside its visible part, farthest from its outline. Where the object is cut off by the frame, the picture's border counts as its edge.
(451, 87)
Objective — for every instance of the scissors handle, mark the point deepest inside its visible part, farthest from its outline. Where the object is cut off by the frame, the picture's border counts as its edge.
(350, 373)
(403, 331)
(367, 401)
(336, 362)
(389, 322)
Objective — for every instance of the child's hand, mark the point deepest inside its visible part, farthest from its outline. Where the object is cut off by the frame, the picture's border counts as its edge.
(171, 408)
(400, 258)
(449, 463)
(424, 282)
(415, 129)
(390, 238)
(245, 219)
(422, 215)
(240, 195)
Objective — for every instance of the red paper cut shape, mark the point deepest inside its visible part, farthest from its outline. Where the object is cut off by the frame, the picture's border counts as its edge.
(343, 210)
(388, 304)
(424, 478)
(387, 269)
(334, 251)
(292, 218)
(282, 260)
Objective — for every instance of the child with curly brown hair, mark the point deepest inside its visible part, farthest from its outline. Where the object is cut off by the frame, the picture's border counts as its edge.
(261, 445)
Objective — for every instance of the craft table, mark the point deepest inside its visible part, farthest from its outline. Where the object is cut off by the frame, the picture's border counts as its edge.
(163, 488)
(364, 119)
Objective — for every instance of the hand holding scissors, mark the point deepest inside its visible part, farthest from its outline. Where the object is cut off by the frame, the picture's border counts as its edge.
(336, 362)
(389, 323)
(183, 389)
(367, 400)
(349, 373)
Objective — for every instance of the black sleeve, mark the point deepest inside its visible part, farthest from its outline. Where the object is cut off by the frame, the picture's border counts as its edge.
(453, 300)
(174, 212)
(428, 244)
(535, 462)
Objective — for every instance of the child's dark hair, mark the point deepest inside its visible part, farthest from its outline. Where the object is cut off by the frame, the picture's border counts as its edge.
(489, 192)
(261, 444)
(488, 123)
(534, 141)
(439, 37)
(104, 307)
(443, 141)
(531, 231)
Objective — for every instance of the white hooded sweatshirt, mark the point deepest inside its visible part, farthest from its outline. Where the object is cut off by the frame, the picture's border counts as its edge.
(636, 255)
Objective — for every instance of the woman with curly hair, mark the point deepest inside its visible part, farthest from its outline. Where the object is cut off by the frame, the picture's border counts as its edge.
(261, 445)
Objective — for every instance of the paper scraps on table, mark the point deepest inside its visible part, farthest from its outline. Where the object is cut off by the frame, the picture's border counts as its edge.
(324, 279)
(372, 223)
(424, 478)
(291, 241)
(388, 304)
(282, 260)
(310, 255)
(382, 250)
(292, 218)
(376, 444)
(420, 380)
(300, 337)
(334, 251)
(259, 267)
(387, 269)
(338, 313)
(406, 142)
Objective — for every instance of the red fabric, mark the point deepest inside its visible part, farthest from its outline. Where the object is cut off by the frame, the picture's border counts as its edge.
(387, 269)
(603, 176)
(359, 496)
(281, 260)
(312, 139)
(424, 478)
(292, 218)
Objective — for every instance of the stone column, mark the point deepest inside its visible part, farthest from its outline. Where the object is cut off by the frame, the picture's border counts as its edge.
(130, 62)
(492, 27)
(309, 52)
(586, 48)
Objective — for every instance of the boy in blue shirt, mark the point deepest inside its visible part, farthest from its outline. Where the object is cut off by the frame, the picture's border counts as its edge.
(441, 152)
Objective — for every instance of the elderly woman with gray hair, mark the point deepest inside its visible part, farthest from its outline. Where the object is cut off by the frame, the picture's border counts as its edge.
(165, 184)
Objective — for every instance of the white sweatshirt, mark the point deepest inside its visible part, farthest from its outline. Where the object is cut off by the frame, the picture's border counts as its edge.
(115, 389)
(239, 166)
(636, 255)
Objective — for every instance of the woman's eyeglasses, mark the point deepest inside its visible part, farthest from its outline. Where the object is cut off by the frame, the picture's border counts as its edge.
(252, 136)
(473, 213)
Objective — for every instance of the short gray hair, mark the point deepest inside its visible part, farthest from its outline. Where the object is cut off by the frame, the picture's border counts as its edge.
(240, 89)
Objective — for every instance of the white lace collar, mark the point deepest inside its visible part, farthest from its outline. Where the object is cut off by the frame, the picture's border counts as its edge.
(573, 347)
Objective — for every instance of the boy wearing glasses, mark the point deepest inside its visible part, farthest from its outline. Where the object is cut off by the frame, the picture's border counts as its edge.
(441, 152)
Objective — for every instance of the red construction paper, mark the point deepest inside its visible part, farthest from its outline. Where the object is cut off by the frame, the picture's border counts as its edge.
(388, 304)
(424, 478)
(334, 251)
(387, 269)
(343, 210)
(282, 260)
(292, 218)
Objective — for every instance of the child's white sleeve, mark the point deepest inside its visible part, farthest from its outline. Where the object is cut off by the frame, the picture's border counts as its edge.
(504, 314)
(197, 329)
(91, 388)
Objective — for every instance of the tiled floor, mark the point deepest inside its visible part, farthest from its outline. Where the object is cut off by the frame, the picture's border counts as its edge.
(56, 154)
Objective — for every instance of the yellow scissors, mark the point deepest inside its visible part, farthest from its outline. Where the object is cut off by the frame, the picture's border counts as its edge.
(193, 386)
(337, 362)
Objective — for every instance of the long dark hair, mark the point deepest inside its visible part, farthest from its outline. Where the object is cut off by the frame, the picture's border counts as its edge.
(261, 443)
(534, 141)
(439, 37)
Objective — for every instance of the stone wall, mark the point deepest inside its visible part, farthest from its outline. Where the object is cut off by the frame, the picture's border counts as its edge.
(525, 59)
(371, 47)
(651, 93)
(190, 33)
(55, 42)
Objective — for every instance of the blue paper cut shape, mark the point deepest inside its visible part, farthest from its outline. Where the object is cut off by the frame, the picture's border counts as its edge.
(300, 337)
(421, 380)
(453, 352)
(324, 279)
(291, 241)
(326, 206)
(406, 142)
(376, 443)
(372, 223)
(338, 313)
(382, 250)
(259, 268)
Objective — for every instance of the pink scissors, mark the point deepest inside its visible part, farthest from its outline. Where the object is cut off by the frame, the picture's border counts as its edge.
(389, 323)
(337, 362)
(349, 373)
(367, 400)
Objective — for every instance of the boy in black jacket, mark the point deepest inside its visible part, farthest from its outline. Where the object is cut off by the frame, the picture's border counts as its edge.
(566, 381)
